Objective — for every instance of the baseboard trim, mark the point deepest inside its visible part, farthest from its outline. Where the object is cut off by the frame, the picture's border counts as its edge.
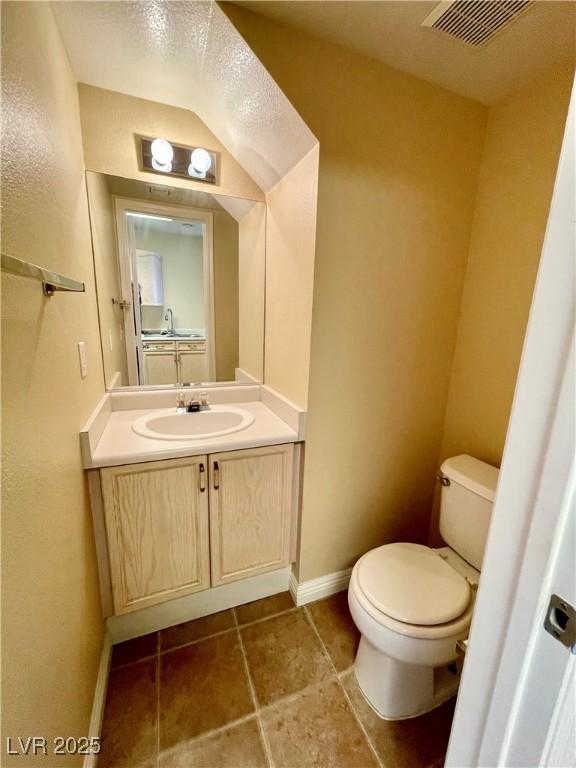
(99, 698)
(195, 606)
(315, 589)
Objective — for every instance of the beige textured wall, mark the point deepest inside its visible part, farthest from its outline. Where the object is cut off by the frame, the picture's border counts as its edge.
(102, 224)
(251, 277)
(110, 120)
(399, 162)
(290, 246)
(52, 627)
(521, 153)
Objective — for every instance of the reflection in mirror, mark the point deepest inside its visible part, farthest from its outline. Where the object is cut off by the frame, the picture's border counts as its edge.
(180, 283)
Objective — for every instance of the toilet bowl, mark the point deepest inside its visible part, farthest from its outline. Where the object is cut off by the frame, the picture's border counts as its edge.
(405, 655)
(412, 603)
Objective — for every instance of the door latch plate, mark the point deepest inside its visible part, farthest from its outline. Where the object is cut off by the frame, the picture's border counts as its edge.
(560, 622)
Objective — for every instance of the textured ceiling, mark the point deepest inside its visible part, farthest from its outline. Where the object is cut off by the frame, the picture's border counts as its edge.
(391, 32)
(189, 55)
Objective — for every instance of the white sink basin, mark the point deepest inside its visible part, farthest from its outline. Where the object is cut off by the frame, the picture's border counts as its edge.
(219, 420)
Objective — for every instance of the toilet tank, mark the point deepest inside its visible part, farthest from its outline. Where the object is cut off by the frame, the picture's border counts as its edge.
(466, 506)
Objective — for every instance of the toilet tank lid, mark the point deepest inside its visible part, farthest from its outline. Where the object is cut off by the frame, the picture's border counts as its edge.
(476, 475)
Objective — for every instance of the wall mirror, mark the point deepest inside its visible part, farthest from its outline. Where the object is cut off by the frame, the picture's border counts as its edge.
(180, 280)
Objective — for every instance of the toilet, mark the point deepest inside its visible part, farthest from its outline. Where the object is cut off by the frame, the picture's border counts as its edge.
(413, 603)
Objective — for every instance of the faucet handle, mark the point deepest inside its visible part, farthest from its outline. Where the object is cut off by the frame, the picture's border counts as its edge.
(193, 405)
(204, 402)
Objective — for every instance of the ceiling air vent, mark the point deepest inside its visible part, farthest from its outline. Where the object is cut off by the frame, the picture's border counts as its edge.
(475, 22)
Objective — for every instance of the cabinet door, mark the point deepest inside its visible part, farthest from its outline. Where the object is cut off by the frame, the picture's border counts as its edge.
(250, 511)
(157, 529)
(192, 366)
(160, 368)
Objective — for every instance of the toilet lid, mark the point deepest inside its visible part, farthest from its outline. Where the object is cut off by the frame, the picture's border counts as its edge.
(412, 584)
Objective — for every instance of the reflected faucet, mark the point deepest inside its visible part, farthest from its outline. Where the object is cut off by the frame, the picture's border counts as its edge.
(171, 326)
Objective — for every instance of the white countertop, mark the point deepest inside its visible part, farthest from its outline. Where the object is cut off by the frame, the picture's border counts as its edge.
(119, 444)
(166, 337)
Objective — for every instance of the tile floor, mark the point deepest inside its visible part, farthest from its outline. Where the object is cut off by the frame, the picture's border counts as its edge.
(265, 684)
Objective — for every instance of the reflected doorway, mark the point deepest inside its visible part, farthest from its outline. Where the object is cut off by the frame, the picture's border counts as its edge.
(166, 267)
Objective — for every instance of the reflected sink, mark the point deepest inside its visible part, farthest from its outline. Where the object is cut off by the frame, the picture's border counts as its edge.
(219, 420)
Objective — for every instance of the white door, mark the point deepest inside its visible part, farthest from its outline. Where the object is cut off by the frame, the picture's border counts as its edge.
(551, 550)
(550, 665)
(513, 707)
(130, 295)
(137, 299)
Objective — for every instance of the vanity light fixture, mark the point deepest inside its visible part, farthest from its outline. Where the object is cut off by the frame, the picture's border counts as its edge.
(162, 155)
(200, 162)
(147, 216)
(159, 155)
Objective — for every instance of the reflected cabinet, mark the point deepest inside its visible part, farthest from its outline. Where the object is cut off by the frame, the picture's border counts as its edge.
(174, 362)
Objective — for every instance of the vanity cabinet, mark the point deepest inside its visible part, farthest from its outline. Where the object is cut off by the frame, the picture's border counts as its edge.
(179, 526)
(250, 504)
(174, 362)
(160, 364)
(156, 517)
(192, 361)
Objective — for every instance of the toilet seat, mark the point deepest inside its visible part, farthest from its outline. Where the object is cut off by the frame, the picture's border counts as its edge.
(414, 631)
(412, 590)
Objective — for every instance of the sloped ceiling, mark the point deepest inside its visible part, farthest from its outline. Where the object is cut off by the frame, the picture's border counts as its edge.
(390, 31)
(189, 55)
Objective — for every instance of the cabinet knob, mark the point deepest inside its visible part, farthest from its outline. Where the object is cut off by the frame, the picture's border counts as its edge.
(216, 476)
(202, 478)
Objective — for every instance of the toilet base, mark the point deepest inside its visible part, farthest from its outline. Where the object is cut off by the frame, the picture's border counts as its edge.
(399, 691)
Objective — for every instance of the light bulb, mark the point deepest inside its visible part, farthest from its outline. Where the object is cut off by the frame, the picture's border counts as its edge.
(200, 163)
(162, 154)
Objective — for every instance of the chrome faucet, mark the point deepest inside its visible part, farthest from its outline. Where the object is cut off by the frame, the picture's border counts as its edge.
(194, 404)
(171, 326)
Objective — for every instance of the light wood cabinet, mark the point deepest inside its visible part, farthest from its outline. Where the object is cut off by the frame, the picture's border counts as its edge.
(179, 526)
(192, 366)
(156, 517)
(175, 362)
(250, 511)
(160, 367)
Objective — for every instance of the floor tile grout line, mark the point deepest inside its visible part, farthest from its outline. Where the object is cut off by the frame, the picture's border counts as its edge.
(291, 697)
(135, 661)
(259, 710)
(254, 715)
(265, 618)
(198, 640)
(213, 732)
(201, 639)
(262, 710)
(263, 737)
(343, 689)
(360, 723)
